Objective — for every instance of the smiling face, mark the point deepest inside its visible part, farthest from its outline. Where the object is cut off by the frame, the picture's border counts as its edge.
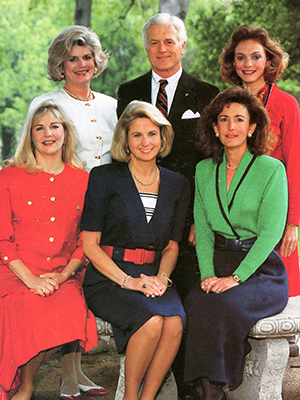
(250, 61)
(144, 140)
(48, 136)
(164, 50)
(233, 127)
(79, 67)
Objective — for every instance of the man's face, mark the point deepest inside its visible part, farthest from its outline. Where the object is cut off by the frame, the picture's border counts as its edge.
(164, 50)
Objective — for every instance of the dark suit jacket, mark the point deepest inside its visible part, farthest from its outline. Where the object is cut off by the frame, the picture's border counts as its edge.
(191, 94)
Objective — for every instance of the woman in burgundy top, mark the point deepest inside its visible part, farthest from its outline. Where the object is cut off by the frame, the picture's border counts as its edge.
(252, 59)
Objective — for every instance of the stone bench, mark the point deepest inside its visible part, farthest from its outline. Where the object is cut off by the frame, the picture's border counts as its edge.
(264, 366)
(266, 363)
(168, 390)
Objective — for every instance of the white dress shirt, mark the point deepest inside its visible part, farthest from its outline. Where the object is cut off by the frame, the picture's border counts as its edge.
(170, 88)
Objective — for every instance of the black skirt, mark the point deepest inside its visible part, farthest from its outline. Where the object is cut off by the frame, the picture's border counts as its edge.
(218, 324)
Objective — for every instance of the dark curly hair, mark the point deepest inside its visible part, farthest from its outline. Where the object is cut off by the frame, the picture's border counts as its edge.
(274, 53)
(262, 138)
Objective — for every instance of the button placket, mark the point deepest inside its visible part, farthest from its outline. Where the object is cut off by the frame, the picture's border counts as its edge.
(52, 217)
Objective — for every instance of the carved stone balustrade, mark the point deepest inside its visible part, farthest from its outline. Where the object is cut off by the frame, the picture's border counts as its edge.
(267, 361)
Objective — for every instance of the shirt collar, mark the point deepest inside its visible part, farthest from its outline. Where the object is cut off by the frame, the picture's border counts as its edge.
(172, 80)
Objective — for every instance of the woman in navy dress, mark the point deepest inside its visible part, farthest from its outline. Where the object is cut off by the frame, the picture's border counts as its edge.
(133, 219)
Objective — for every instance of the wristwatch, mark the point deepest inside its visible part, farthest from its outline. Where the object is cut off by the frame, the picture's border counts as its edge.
(237, 279)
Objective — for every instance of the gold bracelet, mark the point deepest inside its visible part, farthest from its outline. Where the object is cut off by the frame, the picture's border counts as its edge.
(73, 270)
(125, 280)
(170, 283)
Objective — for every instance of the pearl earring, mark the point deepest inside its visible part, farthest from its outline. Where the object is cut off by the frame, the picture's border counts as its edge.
(217, 134)
(249, 134)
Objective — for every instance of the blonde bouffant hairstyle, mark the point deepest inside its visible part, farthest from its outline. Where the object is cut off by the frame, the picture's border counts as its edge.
(140, 109)
(61, 46)
(25, 152)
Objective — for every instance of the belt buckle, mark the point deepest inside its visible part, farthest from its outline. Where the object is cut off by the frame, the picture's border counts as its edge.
(234, 245)
(140, 256)
(239, 245)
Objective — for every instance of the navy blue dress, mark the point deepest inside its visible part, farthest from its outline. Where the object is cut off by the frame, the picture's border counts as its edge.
(114, 208)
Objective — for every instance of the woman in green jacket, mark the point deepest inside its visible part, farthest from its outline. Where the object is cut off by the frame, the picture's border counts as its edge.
(240, 213)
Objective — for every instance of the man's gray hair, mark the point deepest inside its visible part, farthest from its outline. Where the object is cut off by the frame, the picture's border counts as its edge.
(164, 19)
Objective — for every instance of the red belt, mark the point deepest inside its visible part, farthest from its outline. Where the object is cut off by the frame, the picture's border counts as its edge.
(137, 256)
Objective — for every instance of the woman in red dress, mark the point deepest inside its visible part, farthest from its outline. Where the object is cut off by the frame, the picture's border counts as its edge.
(42, 305)
(252, 59)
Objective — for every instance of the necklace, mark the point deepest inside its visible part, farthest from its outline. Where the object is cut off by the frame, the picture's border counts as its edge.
(227, 166)
(144, 183)
(78, 98)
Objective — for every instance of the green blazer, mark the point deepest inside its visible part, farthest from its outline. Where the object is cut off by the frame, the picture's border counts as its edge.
(259, 210)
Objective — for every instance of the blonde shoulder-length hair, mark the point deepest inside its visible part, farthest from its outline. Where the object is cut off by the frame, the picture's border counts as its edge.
(140, 109)
(25, 153)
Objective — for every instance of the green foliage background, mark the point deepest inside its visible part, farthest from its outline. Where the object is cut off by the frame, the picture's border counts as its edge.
(28, 26)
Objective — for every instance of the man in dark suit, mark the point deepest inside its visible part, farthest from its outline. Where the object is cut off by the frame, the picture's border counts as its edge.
(164, 38)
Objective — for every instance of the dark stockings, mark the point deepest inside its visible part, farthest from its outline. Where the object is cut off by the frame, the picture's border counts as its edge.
(212, 391)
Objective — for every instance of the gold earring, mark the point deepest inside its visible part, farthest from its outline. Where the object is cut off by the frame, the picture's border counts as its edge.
(96, 70)
(127, 151)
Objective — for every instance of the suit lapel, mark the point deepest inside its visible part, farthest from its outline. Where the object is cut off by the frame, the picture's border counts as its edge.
(184, 98)
(146, 87)
(142, 88)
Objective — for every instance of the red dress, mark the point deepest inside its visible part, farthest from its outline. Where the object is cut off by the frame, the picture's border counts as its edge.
(285, 118)
(40, 215)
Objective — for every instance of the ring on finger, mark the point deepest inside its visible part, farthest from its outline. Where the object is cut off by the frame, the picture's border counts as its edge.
(44, 290)
(219, 290)
(291, 247)
(145, 285)
(205, 284)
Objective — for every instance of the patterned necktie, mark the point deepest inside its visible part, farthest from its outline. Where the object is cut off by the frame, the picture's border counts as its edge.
(162, 99)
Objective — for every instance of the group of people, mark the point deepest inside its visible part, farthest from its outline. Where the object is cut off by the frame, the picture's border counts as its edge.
(180, 259)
